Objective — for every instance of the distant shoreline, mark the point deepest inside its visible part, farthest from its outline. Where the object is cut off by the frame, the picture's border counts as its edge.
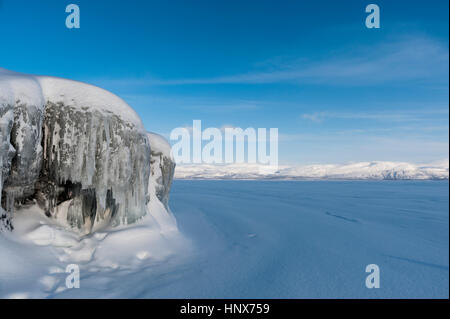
(313, 179)
(375, 170)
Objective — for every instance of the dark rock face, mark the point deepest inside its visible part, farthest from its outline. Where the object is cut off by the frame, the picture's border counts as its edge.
(21, 106)
(5, 221)
(106, 158)
(162, 167)
(93, 162)
(7, 151)
(26, 136)
(164, 181)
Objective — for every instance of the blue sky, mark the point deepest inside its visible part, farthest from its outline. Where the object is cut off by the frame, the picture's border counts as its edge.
(337, 91)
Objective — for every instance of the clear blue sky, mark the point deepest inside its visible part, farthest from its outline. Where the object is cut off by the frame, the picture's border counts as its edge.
(336, 90)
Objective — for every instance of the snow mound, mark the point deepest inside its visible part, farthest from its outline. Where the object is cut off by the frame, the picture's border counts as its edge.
(106, 259)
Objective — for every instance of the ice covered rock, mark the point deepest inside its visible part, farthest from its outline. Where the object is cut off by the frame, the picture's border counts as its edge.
(7, 151)
(162, 166)
(98, 161)
(21, 109)
(78, 151)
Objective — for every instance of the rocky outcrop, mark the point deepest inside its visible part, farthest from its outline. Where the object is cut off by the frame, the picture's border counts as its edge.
(97, 161)
(18, 127)
(7, 151)
(78, 152)
(162, 167)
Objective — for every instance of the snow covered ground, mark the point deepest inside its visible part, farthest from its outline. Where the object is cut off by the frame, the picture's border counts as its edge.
(249, 239)
(362, 170)
(35, 255)
(291, 239)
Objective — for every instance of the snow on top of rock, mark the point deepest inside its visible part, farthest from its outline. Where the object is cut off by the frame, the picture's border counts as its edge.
(36, 90)
(159, 143)
(80, 94)
(16, 86)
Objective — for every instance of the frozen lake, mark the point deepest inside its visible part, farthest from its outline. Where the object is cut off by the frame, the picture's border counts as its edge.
(249, 239)
(288, 239)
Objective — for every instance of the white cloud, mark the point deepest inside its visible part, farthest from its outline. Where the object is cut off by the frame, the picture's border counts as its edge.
(394, 116)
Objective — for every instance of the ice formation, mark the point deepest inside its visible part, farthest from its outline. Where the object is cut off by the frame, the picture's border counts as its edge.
(78, 152)
(162, 167)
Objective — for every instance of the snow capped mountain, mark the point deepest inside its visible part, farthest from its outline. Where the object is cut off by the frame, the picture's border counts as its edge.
(354, 171)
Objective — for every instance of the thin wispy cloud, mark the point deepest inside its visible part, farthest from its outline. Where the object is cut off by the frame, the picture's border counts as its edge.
(201, 104)
(398, 116)
(381, 127)
(412, 58)
(362, 147)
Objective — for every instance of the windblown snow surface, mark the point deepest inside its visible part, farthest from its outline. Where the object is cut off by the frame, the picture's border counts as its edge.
(251, 239)
(311, 239)
(352, 171)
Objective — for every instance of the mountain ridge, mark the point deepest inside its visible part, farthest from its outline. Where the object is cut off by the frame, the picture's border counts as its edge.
(375, 170)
